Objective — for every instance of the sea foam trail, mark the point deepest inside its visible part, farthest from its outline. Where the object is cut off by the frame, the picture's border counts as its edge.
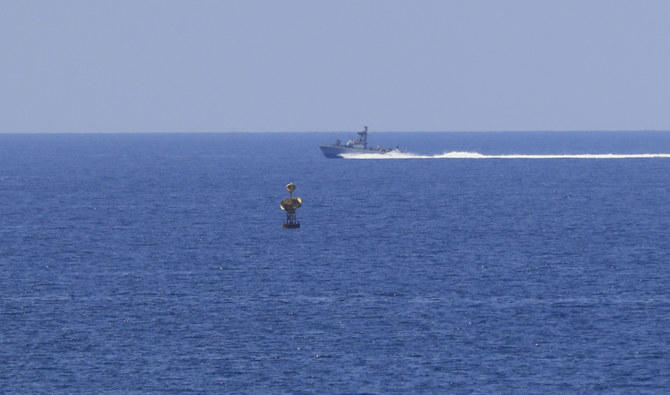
(477, 155)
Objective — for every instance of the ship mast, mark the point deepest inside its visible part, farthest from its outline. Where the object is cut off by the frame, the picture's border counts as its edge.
(364, 137)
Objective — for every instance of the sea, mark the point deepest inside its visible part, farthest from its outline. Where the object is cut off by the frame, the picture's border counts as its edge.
(485, 262)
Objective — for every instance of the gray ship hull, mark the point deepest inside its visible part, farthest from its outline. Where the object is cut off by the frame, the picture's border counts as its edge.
(335, 151)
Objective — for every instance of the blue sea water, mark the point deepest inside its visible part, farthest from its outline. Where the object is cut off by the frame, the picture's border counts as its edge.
(158, 263)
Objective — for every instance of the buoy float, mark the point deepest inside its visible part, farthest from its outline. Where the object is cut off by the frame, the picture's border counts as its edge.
(290, 204)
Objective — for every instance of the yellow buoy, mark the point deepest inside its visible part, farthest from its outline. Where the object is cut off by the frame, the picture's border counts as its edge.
(290, 204)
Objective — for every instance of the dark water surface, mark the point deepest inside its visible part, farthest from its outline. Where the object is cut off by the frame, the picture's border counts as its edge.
(157, 263)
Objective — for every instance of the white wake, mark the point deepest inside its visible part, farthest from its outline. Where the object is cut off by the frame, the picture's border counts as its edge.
(477, 155)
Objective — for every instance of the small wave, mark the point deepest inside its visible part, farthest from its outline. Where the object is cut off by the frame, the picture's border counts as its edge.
(477, 155)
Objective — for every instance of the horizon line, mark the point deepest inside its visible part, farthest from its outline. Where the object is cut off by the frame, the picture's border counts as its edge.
(343, 130)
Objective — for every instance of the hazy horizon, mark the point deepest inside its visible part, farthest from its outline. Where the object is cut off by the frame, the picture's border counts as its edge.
(300, 66)
(344, 132)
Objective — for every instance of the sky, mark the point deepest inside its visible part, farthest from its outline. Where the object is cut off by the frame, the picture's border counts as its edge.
(284, 65)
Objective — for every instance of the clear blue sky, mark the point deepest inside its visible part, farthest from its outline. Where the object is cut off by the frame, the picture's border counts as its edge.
(283, 65)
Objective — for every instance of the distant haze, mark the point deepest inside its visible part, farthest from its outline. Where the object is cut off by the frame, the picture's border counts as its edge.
(216, 66)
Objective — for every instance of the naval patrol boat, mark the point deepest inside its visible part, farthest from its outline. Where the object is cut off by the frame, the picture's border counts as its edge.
(357, 145)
